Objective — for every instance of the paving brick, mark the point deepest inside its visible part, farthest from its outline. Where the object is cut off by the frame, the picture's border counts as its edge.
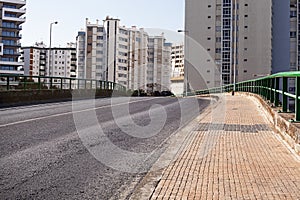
(237, 158)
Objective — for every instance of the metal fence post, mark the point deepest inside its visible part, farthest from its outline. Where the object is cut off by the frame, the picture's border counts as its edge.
(51, 80)
(39, 82)
(284, 96)
(70, 84)
(61, 83)
(276, 94)
(7, 83)
(271, 90)
(297, 101)
(24, 84)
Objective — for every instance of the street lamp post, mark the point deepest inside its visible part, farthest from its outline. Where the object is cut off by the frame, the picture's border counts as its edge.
(186, 33)
(49, 57)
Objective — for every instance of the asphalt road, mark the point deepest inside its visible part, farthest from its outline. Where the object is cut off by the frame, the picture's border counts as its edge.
(85, 149)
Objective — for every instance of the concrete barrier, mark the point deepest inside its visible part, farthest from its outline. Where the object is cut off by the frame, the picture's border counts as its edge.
(27, 97)
(288, 131)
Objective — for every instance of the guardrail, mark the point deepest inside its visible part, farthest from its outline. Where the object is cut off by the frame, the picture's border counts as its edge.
(273, 88)
(11, 82)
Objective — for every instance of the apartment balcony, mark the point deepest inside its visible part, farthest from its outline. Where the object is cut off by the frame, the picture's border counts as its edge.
(11, 72)
(15, 36)
(11, 63)
(19, 28)
(15, 19)
(11, 53)
(17, 12)
(73, 75)
(18, 3)
(17, 15)
(17, 45)
(42, 63)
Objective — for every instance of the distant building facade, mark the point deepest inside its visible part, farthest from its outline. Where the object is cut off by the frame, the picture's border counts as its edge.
(159, 66)
(236, 37)
(10, 26)
(63, 61)
(177, 78)
(178, 60)
(128, 56)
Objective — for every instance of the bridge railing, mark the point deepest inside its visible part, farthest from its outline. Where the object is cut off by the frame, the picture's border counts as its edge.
(11, 82)
(278, 89)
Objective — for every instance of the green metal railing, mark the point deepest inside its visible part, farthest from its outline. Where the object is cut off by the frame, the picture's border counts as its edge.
(19, 82)
(273, 88)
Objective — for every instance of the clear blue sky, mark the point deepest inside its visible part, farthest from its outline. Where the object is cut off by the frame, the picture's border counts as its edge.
(167, 15)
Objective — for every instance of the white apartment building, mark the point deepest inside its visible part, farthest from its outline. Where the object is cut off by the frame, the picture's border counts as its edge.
(177, 77)
(63, 61)
(10, 26)
(91, 52)
(121, 55)
(117, 39)
(235, 34)
(138, 59)
(159, 64)
(178, 60)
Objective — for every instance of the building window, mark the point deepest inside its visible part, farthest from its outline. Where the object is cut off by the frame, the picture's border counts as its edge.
(245, 60)
(246, 4)
(208, 38)
(209, 27)
(245, 38)
(293, 14)
(246, 15)
(246, 26)
(100, 29)
(209, 17)
(245, 71)
(1, 49)
(122, 75)
(293, 34)
(218, 50)
(209, 6)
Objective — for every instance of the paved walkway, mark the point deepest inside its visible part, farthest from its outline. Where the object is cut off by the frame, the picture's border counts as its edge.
(238, 157)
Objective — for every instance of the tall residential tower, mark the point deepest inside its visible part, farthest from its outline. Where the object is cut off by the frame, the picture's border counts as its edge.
(10, 27)
(128, 56)
(236, 37)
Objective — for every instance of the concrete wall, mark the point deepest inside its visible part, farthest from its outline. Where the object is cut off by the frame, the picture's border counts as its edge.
(17, 98)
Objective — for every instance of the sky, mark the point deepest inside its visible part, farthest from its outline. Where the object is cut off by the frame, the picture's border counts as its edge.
(156, 16)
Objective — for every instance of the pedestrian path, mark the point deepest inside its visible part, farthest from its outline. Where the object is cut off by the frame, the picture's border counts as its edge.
(232, 156)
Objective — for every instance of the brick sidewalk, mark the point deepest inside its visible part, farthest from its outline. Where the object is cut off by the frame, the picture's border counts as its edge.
(237, 157)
